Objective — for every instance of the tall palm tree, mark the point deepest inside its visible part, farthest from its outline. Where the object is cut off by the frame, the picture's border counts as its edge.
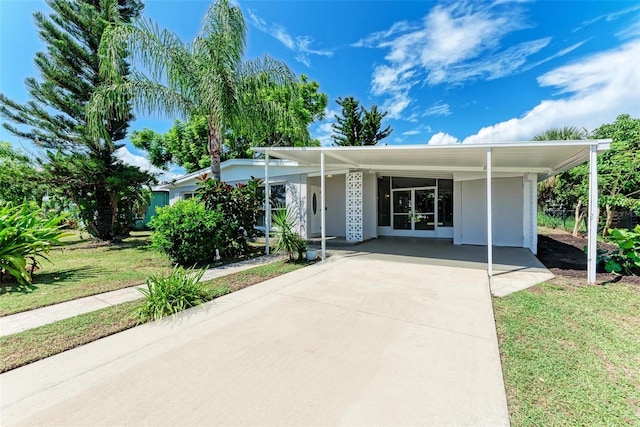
(206, 77)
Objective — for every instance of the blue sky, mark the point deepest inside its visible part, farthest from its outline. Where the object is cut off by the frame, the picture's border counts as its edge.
(445, 71)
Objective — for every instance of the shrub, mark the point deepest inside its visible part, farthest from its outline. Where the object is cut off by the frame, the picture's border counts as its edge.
(287, 240)
(626, 259)
(189, 233)
(170, 294)
(241, 206)
(26, 234)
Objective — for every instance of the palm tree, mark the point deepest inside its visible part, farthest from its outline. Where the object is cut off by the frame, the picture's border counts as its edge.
(567, 133)
(206, 77)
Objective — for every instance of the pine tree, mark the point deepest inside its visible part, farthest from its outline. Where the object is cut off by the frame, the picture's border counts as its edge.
(357, 126)
(55, 118)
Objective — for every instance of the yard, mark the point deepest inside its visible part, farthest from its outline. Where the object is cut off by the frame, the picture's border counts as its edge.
(571, 351)
(84, 268)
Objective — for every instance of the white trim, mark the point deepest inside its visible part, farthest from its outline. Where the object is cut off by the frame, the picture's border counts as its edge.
(489, 219)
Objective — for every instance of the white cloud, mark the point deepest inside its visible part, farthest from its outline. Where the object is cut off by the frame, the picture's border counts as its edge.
(323, 131)
(596, 90)
(454, 44)
(442, 138)
(557, 54)
(608, 17)
(142, 162)
(438, 109)
(411, 132)
(301, 45)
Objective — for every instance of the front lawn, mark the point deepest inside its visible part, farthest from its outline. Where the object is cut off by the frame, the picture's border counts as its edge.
(84, 268)
(29, 346)
(571, 354)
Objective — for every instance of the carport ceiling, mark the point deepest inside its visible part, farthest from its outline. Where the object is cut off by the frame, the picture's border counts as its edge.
(542, 157)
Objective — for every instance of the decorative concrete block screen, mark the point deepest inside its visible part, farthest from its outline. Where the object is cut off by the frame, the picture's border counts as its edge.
(354, 206)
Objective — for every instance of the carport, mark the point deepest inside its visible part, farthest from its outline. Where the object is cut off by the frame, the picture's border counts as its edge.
(530, 161)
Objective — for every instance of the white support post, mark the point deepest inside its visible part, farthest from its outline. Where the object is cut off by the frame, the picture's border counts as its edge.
(323, 235)
(489, 222)
(267, 203)
(592, 227)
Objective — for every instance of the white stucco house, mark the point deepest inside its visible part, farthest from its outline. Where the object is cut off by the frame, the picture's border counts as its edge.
(476, 194)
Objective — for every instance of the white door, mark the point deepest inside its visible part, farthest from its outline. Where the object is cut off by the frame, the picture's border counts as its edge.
(314, 206)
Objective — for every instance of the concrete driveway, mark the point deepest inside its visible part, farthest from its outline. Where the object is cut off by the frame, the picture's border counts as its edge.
(378, 336)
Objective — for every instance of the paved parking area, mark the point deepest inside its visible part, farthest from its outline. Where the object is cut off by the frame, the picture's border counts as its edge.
(383, 334)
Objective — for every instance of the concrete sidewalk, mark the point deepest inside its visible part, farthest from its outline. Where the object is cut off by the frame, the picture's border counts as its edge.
(361, 339)
(19, 322)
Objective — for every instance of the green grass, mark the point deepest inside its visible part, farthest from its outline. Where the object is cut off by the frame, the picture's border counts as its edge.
(571, 354)
(83, 268)
(29, 346)
(566, 224)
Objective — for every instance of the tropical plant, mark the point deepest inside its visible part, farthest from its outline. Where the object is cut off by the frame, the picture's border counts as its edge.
(626, 259)
(170, 294)
(81, 165)
(26, 234)
(185, 144)
(205, 78)
(189, 233)
(286, 239)
(358, 126)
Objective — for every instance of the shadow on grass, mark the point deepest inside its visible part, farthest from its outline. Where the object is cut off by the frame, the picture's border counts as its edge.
(53, 278)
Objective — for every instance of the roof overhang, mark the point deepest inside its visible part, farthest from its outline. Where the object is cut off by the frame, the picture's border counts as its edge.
(546, 158)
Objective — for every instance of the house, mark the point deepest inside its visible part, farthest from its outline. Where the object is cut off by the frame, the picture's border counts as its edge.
(475, 194)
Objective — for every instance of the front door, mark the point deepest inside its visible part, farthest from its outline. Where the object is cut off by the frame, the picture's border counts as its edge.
(314, 204)
(414, 209)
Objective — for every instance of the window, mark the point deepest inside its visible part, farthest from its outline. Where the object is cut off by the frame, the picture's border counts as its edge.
(445, 202)
(278, 200)
(186, 196)
(384, 201)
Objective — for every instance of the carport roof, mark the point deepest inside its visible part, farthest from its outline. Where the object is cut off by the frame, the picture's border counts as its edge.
(543, 157)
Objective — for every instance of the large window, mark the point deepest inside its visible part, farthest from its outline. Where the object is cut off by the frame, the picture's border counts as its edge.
(278, 200)
(406, 203)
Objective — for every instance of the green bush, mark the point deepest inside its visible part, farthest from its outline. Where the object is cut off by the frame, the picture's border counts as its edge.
(189, 233)
(166, 295)
(26, 234)
(241, 207)
(626, 259)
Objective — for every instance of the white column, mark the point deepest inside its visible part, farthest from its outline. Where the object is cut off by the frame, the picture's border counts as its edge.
(489, 222)
(267, 204)
(323, 235)
(592, 253)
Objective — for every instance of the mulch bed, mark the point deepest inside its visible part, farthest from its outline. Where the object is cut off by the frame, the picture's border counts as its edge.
(563, 255)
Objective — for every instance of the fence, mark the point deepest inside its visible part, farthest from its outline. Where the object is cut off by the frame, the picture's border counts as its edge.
(565, 219)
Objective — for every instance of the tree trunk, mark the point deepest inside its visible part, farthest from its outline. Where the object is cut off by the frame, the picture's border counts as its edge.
(215, 148)
(105, 214)
(607, 223)
(578, 217)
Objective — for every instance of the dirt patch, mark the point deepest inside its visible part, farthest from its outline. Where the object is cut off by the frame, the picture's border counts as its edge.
(563, 254)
